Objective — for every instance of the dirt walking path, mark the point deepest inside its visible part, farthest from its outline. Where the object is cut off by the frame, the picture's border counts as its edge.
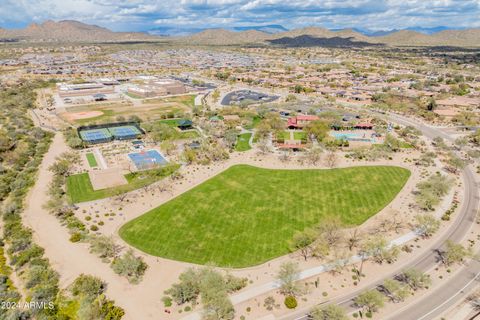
(73, 259)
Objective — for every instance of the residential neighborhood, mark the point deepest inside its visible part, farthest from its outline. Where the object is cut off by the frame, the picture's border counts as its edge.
(237, 171)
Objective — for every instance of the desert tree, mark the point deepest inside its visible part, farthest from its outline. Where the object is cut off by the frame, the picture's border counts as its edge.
(313, 155)
(416, 279)
(331, 230)
(370, 300)
(320, 248)
(395, 290)
(269, 303)
(130, 266)
(353, 239)
(288, 276)
(379, 250)
(330, 312)
(454, 163)
(103, 246)
(331, 159)
(263, 146)
(454, 253)
(317, 130)
(426, 225)
(302, 242)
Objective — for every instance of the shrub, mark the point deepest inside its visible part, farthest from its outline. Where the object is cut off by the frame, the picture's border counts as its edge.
(93, 228)
(76, 237)
(290, 302)
(88, 286)
(167, 301)
(130, 266)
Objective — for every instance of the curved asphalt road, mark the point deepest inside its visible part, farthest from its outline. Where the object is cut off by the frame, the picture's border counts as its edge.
(445, 296)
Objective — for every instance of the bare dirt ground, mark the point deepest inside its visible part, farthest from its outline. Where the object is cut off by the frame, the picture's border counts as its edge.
(82, 115)
(107, 178)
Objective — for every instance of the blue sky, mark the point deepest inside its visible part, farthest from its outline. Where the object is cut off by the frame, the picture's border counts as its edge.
(140, 15)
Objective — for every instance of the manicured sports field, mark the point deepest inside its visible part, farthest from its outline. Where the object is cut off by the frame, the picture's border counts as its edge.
(92, 162)
(247, 215)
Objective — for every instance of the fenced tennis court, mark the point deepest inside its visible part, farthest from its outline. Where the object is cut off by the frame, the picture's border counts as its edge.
(96, 135)
(108, 132)
(125, 132)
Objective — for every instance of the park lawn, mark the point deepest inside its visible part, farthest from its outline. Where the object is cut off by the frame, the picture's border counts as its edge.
(186, 100)
(247, 215)
(243, 142)
(133, 95)
(80, 189)
(300, 135)
(297, 135)
(253, 123)
(405, 145)
(171, 122)
(190, 134)
(92, 162)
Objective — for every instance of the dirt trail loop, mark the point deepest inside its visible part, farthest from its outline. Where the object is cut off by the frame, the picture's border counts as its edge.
(73, 259)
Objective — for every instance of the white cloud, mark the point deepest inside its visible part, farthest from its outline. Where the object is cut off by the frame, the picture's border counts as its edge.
(142, 14)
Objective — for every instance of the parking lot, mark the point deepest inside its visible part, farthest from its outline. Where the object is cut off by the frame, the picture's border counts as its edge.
(246, 97)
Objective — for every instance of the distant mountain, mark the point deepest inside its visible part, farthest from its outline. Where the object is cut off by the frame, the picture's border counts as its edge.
(314, 36)
(455, 38)
(186, 31)
(271, 28)
(174, 31)
(72, 31)
(225, 37)
(432, 30)
(380, 33)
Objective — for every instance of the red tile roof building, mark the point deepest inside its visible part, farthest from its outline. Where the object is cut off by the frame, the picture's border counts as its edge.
(300, 121)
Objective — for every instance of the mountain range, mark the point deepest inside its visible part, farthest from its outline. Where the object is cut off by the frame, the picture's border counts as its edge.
(312, 36)
(71, 31)
(74, 31)
(186, 31)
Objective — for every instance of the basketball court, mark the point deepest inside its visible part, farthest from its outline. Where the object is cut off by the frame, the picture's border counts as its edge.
(147, 159)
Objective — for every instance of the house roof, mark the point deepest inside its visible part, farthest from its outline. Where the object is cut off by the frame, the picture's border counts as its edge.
(364, 125)
(184, 123)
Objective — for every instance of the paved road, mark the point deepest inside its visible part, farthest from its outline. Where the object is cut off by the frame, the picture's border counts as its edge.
(437, 301)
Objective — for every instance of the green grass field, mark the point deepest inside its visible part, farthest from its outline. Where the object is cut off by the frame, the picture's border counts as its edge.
(92, 162)
(297, 135)
(242, 142)
(247, 215)
(80, 189)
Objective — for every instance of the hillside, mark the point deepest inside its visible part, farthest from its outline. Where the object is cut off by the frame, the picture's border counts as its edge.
(225, 37)
(74, 31)
(461, 38)
(71, 31)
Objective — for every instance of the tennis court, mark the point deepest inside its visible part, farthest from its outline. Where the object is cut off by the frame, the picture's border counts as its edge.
(125, 132)
(147, 159)
(96, 135)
